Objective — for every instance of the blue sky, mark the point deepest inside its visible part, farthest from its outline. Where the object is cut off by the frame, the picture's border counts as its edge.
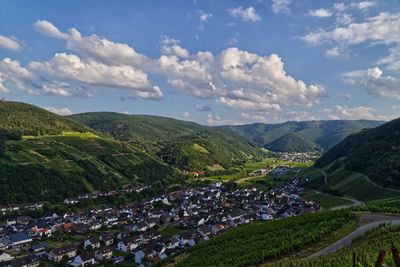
(213, 62)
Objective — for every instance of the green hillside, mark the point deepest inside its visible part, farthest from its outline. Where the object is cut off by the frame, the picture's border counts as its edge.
(373, 152)
(186, 145)
(324, 134)
(47, 157)
(59, 166)
(32, 120)
(292, 142)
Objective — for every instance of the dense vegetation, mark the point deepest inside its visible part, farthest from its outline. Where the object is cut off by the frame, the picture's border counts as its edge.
(324, 134)
(292, 142)
(374, 152)
(257, 242)
(186, 145)
(31, 120)
(54, 167)
(363, 252)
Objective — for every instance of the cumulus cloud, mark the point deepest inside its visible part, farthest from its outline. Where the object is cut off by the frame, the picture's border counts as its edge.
(91, 72)
(214, 119)
(334, 52)
(281, 6)
(344, 18)
(63, 111)
(8, 43)
(245, 14)
(93, 46)
(320, 13)
(13, 74)
(373, 81)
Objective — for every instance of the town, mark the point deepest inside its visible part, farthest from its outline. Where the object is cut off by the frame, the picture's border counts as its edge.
(145, 232)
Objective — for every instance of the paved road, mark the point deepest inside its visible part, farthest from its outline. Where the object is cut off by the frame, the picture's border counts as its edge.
(346, 241)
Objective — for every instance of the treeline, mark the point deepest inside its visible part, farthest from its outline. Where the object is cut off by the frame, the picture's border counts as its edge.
(258, 242)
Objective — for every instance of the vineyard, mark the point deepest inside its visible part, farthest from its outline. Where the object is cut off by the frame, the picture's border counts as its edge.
(363, 252)
(258, 242)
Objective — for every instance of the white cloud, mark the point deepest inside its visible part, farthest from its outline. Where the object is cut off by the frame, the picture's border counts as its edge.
(344, 18)
(381, 29)
(9, 43)
(60, 111)
(13, 74)
(374, 82)
(334, 52)
(93, 46)
(56, 89)
(360, 112)
(320, 13)
(281, 6)
(363, 5)
(246, 14)
(171, 46)
(72, 67)
(392, 60)
(214, 119)
(340, 6)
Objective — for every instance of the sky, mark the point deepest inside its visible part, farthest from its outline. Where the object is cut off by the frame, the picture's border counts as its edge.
(212, 62)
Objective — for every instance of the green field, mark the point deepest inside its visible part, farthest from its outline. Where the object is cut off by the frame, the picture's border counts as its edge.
(325, 200)
(170, 232)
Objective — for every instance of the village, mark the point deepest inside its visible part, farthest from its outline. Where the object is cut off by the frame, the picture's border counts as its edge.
(135, 233)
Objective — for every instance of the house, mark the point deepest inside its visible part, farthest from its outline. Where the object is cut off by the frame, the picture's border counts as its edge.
(58, 254)
(104, 253)
(4, 242)
(29, 261)
(93, 242)
(107, 238)
(129, 244)
(83, 260)
(5, 256)
(139, 255)
(19, 240)
(117, 259)
(186, 238)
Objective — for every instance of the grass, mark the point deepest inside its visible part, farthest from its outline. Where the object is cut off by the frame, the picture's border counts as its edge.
(215, 167)
(325, 200)
(170, 232)
(200, 149)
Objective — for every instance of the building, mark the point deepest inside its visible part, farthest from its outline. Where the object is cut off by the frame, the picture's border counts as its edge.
(19, 240)
(58, 254)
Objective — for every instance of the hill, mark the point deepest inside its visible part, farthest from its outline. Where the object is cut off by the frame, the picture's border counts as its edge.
(324, 134)
(292, 142)
(183, 144)
(51, 168)
(32, 120)
(373, 152)
(47, 157)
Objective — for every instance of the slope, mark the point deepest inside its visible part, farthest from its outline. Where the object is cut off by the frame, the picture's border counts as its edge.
(292, 142)
(323, 133)
(374, 152)
(32, 120)
(186, 145)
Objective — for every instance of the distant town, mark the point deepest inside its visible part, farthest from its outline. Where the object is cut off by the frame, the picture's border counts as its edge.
(145, 232)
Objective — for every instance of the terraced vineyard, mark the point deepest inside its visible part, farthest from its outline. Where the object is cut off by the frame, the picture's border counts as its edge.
(59, 166)
(363, 251)
(257, 242)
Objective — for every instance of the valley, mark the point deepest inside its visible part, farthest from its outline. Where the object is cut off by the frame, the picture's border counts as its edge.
(170, 192)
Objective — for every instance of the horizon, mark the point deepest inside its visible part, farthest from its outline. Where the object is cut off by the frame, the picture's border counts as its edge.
(212, 63)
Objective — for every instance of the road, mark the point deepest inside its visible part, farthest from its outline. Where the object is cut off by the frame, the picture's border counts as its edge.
(370, 222)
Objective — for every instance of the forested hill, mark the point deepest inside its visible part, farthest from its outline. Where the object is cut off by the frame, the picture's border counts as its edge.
(183, 144)
(292, 142)
(31, 120)
(374, 152)
(323, 134)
